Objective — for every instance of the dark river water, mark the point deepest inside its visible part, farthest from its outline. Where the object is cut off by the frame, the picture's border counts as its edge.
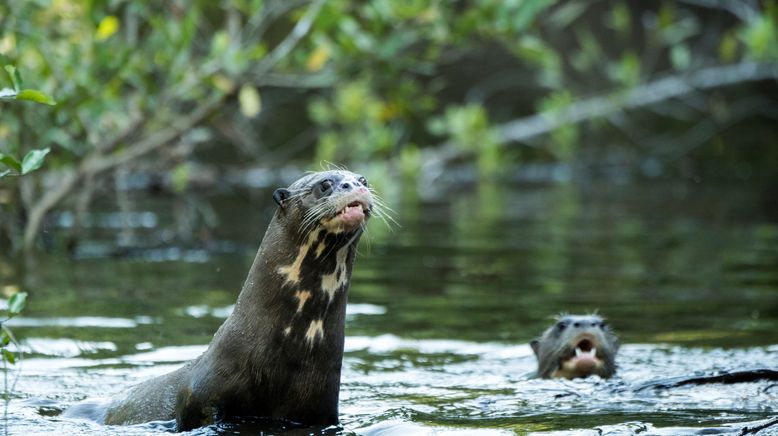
(441, 308)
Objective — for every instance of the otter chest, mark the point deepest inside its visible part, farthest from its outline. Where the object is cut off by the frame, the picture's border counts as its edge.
(314, 287)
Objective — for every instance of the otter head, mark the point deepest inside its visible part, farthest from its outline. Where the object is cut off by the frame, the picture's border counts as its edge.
(320, 217)
(338, 201)
(576, 346)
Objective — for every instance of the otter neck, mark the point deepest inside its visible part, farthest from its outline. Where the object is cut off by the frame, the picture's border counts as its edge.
(297, 300)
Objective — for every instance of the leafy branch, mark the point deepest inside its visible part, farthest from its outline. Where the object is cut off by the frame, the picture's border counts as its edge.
(103, 158)
(34, 158)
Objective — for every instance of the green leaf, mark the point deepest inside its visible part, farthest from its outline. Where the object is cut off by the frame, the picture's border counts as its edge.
(107, 27)
(8, 356)
(527, 11)
(11, 162)
(16, 303)
(8, 93)
(680, 56)
(33, 160)
(250, 102)
(5, 338)
(36, 96)
(16, 78)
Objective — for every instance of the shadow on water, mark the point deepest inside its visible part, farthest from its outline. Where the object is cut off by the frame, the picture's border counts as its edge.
(442, 309)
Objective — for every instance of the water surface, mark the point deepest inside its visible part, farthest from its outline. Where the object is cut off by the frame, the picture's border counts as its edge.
(441, 307)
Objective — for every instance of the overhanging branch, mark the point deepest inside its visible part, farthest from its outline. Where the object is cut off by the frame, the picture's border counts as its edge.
(587, 109)
(642, 95)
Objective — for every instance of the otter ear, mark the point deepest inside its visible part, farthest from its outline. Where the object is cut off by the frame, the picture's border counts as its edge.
(535, 344)
(280, 195)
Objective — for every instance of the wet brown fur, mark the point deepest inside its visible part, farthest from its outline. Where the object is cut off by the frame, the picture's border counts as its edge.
(261, 361)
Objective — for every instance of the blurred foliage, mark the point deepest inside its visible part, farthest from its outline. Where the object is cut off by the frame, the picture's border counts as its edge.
(13, 307)
(155, 86)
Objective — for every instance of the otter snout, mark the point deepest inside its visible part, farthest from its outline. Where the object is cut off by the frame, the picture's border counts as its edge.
(350, 201)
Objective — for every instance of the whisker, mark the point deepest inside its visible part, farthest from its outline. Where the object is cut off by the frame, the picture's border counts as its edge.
(313, 216)
(366, 236)
(330, 166)
(383, 213)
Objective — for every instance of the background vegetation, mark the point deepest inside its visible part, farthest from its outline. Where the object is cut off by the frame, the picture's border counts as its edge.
(178, 95)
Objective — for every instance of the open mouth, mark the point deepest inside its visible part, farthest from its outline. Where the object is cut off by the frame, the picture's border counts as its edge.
(582, 355)
(355, 207)
(351, 216)
(585, 349)
(352, 213)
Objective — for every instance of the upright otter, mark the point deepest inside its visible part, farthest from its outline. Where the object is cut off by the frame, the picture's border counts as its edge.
(279, 354)
(576, 346)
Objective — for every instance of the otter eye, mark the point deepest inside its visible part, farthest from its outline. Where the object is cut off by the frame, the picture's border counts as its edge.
(561, 325)
(362, 181)
(325, 185)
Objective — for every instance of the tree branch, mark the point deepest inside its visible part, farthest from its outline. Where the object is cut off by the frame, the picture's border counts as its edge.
(745, 10)
(95, 162)
(258, 23)
(642, 95)
(322, 79)
(285, 47)
(527, 128)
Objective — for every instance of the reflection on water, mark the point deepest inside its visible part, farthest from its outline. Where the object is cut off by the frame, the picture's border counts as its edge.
(441, 310)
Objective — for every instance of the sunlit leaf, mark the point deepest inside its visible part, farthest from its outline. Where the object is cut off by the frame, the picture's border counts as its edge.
(7, 93)
(223, 83)
(9, 356)
(680, 56)
(620, 17)
(16, 77)
(219, 43)
(11, 162)
(16, 303)
(728, 48)
(180, 176)
(760, 37)
(33, 160)
(4, 173)
(527, 11)
(36, 96)
(5, 338)
(107, 27)
(250, 102)
(318, 58)
(667, 15)
(568, 12)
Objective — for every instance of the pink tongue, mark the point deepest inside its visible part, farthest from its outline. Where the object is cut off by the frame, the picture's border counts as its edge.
(585, 363)
(352, 215)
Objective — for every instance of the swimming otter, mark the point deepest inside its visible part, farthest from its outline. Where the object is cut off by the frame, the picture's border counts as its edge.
(279, 354)
(576, 346)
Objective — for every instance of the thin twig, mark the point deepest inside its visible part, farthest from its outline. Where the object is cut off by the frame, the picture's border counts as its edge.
(258, 23)
(285, 47)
